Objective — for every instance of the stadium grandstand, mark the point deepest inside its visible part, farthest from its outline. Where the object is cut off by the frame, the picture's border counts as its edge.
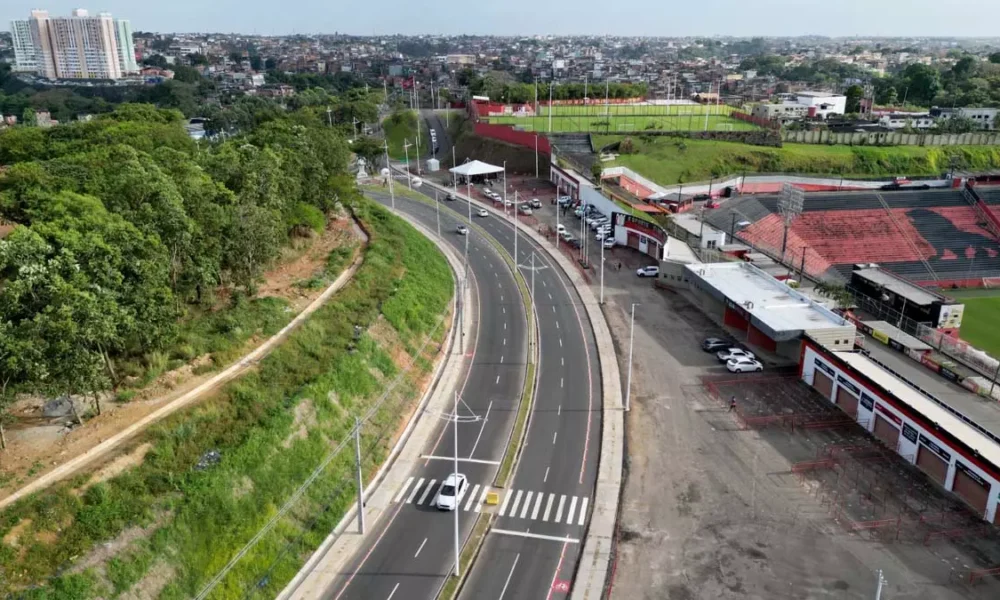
(937, 238)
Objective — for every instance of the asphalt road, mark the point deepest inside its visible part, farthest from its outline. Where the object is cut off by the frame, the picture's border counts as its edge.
(411, 551)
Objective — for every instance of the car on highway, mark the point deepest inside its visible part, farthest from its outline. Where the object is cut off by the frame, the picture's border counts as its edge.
(650, 271)
(714, 344)
(744, 365)
(734, 352)
(482, 212)
(462, 230)
(451, 490)
(535, 203)
(610, 242)
(451, 197)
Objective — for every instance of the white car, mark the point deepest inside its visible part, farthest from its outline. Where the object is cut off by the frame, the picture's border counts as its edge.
(648, 271)
(731, 353)
(483, 212)
(462, 230)
(609, 243)
(560, 229)
(451, 492)
(744, 365)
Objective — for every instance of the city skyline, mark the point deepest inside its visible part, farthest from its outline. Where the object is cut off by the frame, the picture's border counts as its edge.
(779, 18)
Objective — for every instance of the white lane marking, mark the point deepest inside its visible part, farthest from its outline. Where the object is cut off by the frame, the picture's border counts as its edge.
(538, 505)
(481, 428)
(560, 382)
(393, 592)
(560, 342)
(583, 511)
(499, 286)
(544, 479)
(501, 297)
(572, 511)
(505, 325)
(537, 536)
(482, 498)
(415, 490)
(420, 548)
(509, 575)
(557, 324)
(505, 341)
(517, 501)
(427, 490)
(562, 502)
(543, 283)
(559, 410)
(468, 460)
(562, 361)
(527, 505)
(553, 308)
(550, 295)
(554, 434)
(548, 508)
(472, 497)
(501, 359)
(503, 505)
(504, 309)
(495, 275)
(498, 379)
(403, 489)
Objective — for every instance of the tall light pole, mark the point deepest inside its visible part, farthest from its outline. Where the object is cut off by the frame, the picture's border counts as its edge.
(468, 202)
(457, 548)
(437, 209)
(602, 269)
(515, 229)
(388, 166)
(505, 187)
(361, 479)
(536, 155)
(406, 150)
(551, 85)
(631, 341)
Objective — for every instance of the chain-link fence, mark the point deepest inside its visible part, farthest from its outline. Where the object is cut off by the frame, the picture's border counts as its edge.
(960, 351)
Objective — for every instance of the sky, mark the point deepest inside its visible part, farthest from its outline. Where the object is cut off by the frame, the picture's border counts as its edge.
(967, 18)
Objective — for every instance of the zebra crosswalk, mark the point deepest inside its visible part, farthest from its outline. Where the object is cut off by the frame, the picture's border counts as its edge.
(546, 507)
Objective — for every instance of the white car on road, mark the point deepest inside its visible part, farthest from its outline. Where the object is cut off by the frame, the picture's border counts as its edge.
(731, 353)
(451, 491)
(744, 365)
(648, 272)
(462, 230)
(483, 212)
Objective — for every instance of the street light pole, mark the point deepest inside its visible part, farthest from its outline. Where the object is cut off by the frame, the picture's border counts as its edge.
(468, 202)
(392, 195)
(437, 209)
(532, 276)
(361, 479)
(631, 341)
(515, 229)
(406, 150)
(457, 549)
(505, 187)
(602, 272)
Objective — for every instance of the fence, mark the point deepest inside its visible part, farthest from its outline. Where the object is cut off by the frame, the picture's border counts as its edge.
(960, 351)
(759, 122)
(892, 138)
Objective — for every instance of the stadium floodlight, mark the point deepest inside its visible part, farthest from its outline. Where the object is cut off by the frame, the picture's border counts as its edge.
(790, 205)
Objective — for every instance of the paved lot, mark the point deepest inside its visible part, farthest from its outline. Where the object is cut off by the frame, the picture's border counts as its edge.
(711, 511)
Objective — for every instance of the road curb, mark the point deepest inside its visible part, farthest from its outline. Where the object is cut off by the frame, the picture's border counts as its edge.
(593, 570)
(327, 562)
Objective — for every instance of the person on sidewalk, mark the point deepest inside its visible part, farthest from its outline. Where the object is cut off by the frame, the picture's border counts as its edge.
(732, 404)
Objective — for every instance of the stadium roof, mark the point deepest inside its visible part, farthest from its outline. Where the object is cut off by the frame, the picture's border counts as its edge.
(899, 286)
(780, 311)
(474, 168)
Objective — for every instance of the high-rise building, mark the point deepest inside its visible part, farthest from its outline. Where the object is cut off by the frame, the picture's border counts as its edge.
(77, 47)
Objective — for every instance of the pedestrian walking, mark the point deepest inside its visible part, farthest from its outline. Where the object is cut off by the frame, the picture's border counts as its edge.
(732, 404)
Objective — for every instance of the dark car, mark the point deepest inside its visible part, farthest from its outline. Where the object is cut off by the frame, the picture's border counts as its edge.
(714, 344)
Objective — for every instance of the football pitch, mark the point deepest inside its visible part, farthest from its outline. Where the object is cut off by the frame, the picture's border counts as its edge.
(981, 318)
(624, 123)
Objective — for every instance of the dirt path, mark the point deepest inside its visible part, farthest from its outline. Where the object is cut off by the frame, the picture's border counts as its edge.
(194, 390)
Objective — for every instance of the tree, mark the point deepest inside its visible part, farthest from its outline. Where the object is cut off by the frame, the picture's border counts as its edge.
(270, 64)
(197, 59)
(186, 74)
(854, 95)
(256, 62)
(156, 60)
(922, 81)
(29, 118)
(995, 58)
(956, 124)
(369, 149)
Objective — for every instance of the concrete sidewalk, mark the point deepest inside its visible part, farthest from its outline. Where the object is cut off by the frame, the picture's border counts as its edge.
(326, 565)
(595, 562)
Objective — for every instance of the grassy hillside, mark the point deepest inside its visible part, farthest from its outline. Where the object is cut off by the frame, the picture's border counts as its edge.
(401, 127)
(196, 488)
(667, 160)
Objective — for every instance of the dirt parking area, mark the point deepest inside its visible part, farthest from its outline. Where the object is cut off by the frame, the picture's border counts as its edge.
(780, 498)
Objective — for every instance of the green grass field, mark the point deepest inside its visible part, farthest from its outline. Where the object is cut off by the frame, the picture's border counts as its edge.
(667, 160)
(671, 110)
(626, 118)
(400, 128)
(981, 319)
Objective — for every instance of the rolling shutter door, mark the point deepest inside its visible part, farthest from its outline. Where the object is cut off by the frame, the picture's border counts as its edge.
(887, 432)
(633, 240)
(822, 383)
(847, 402)
(972, 491)
(932, 464)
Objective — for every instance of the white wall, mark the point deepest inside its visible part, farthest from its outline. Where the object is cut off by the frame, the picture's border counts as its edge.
(907, 449)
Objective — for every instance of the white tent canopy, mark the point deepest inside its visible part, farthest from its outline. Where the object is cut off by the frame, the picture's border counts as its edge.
(475, 168)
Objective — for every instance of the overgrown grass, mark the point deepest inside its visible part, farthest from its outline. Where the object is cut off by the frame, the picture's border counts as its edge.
(402, 127)
(203, 516)
(668, 160)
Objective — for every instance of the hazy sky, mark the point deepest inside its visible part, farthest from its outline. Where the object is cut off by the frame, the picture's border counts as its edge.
(620, 17)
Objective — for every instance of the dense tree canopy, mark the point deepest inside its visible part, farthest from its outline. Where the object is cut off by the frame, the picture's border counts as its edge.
(122, 221)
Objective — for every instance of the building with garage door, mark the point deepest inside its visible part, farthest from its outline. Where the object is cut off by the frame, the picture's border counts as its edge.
(952, 449)
(773, 316)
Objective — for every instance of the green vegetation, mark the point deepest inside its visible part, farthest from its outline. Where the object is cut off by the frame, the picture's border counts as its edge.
(520, 422)
(630, 118)
(127, 231)
(401, 127)
(979, 321)
(669, 161)
(500, 86)
(271, 429)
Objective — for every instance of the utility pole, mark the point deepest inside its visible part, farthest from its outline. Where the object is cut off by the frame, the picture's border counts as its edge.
(536, 155)
(515, 229)
(361, 479)
(878, 589)
(602, 272)
(388, 166)
(468, 202)
(551, 85)
(707, 108)
(437, 209)
(532, 276)
(631, 341)
(505, 188)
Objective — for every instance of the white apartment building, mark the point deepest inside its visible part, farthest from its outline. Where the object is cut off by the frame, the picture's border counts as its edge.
(800, 105)
(77, 47)
(983, 118)
(902, 120)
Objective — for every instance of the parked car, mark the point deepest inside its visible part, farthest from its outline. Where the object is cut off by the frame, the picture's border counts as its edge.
(451, 197)
(574, 242)
(535, 203)
(560, 229)
(482, 212)
(462, 230)
(714, 344)
(451, 490)
(744, 365)
(563, 200)
(524, 209)
(610, 243)
(566, 235)
(729, 353)
(650, 271)
(578, 212)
